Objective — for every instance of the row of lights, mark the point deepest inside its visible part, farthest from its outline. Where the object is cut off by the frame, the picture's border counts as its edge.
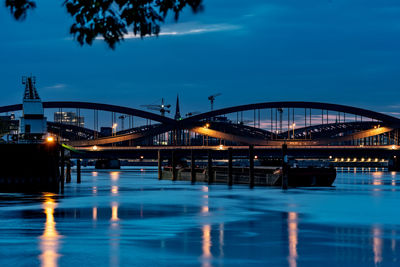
(355, 159)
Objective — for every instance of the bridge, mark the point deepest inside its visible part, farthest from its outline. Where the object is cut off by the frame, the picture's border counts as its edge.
(310, 128)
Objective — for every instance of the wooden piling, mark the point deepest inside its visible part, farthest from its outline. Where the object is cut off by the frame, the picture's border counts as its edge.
(251, 166)
(285, 167)
(192, 167)
(159, 165)
(68, 174)
(78, 171)
(210, 169)
(230, 167)
(62, 163)
(173, 161)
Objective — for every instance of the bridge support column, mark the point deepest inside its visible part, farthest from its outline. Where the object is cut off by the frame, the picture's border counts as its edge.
(78, 171)
(394, 164)
(251, 166)
(285, 167)
(230, 168)
(173, 163)
(192, 167)
(210, 168)
(62, 163)
(159, 165)
(68, 174)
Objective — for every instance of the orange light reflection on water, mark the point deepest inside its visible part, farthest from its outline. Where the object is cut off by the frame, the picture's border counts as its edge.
(49, 240)
(114, 176)
(293, 238)
(377, 244)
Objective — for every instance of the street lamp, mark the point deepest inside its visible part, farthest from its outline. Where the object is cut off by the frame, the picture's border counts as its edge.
(114, 129)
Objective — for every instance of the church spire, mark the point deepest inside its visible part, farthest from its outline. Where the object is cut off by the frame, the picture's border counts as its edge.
(30, 89)
(177, 111)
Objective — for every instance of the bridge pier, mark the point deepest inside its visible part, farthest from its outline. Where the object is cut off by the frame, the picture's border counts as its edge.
(62, 163)
(394, 164)
(159, 165)
(210, 168)
(285, 167)
(230, 168)
(68, 174)
(192, 167)
(78, 171)
(251, 166)
(173, 163)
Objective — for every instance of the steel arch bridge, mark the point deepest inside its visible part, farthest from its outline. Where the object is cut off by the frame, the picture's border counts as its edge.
(272, 123)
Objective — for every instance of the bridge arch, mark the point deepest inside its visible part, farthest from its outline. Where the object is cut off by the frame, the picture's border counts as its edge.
(297, 104)
(96, 106)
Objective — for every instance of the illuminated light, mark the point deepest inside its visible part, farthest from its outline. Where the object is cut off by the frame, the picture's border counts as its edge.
(393, 147)
(355, 159)
(256, 157)
(362, 159)
(369, 159)
(336, 159)
(377, 244)
(95, 148)
(376, 159)
(114, 212)
(342, 159)
(50, 139)
(114, 176)
(330, 157)
(221, 147)
(141, 157)
(114, 189)
(115, 126)
(49, 241)
(348, 159)
(94, 214)
(207, 125)
(206, 243)
(383, 160)
(293, 238)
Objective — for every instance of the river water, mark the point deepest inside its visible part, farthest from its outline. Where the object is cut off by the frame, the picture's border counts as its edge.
(128, 217)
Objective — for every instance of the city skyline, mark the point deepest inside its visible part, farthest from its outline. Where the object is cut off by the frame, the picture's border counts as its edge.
(327, 51)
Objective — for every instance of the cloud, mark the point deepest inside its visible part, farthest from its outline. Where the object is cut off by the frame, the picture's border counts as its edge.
(190, 28)
(58, 86)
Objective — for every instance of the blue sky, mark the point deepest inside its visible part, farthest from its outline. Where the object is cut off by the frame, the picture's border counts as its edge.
(345, 52)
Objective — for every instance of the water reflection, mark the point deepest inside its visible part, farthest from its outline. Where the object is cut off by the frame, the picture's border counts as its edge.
(94, 214)
(206, 230)
(293, 238)
(377, 244)
(114, 175)
(49, 241)
(114, 235)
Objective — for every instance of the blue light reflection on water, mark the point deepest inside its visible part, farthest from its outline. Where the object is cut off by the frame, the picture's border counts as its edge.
(129, 217)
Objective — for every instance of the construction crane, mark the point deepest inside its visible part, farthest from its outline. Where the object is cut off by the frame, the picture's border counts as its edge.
(212, 98)
(162, 108)
(189, 114)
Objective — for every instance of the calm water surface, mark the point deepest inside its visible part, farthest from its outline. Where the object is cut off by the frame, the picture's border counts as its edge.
(128, 217)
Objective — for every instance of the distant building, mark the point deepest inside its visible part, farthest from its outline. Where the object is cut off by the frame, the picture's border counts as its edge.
(106, 131)
(69, 118)
(33, 123)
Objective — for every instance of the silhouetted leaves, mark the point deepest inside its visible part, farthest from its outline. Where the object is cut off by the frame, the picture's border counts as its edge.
(19, 8)
(112, 19)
